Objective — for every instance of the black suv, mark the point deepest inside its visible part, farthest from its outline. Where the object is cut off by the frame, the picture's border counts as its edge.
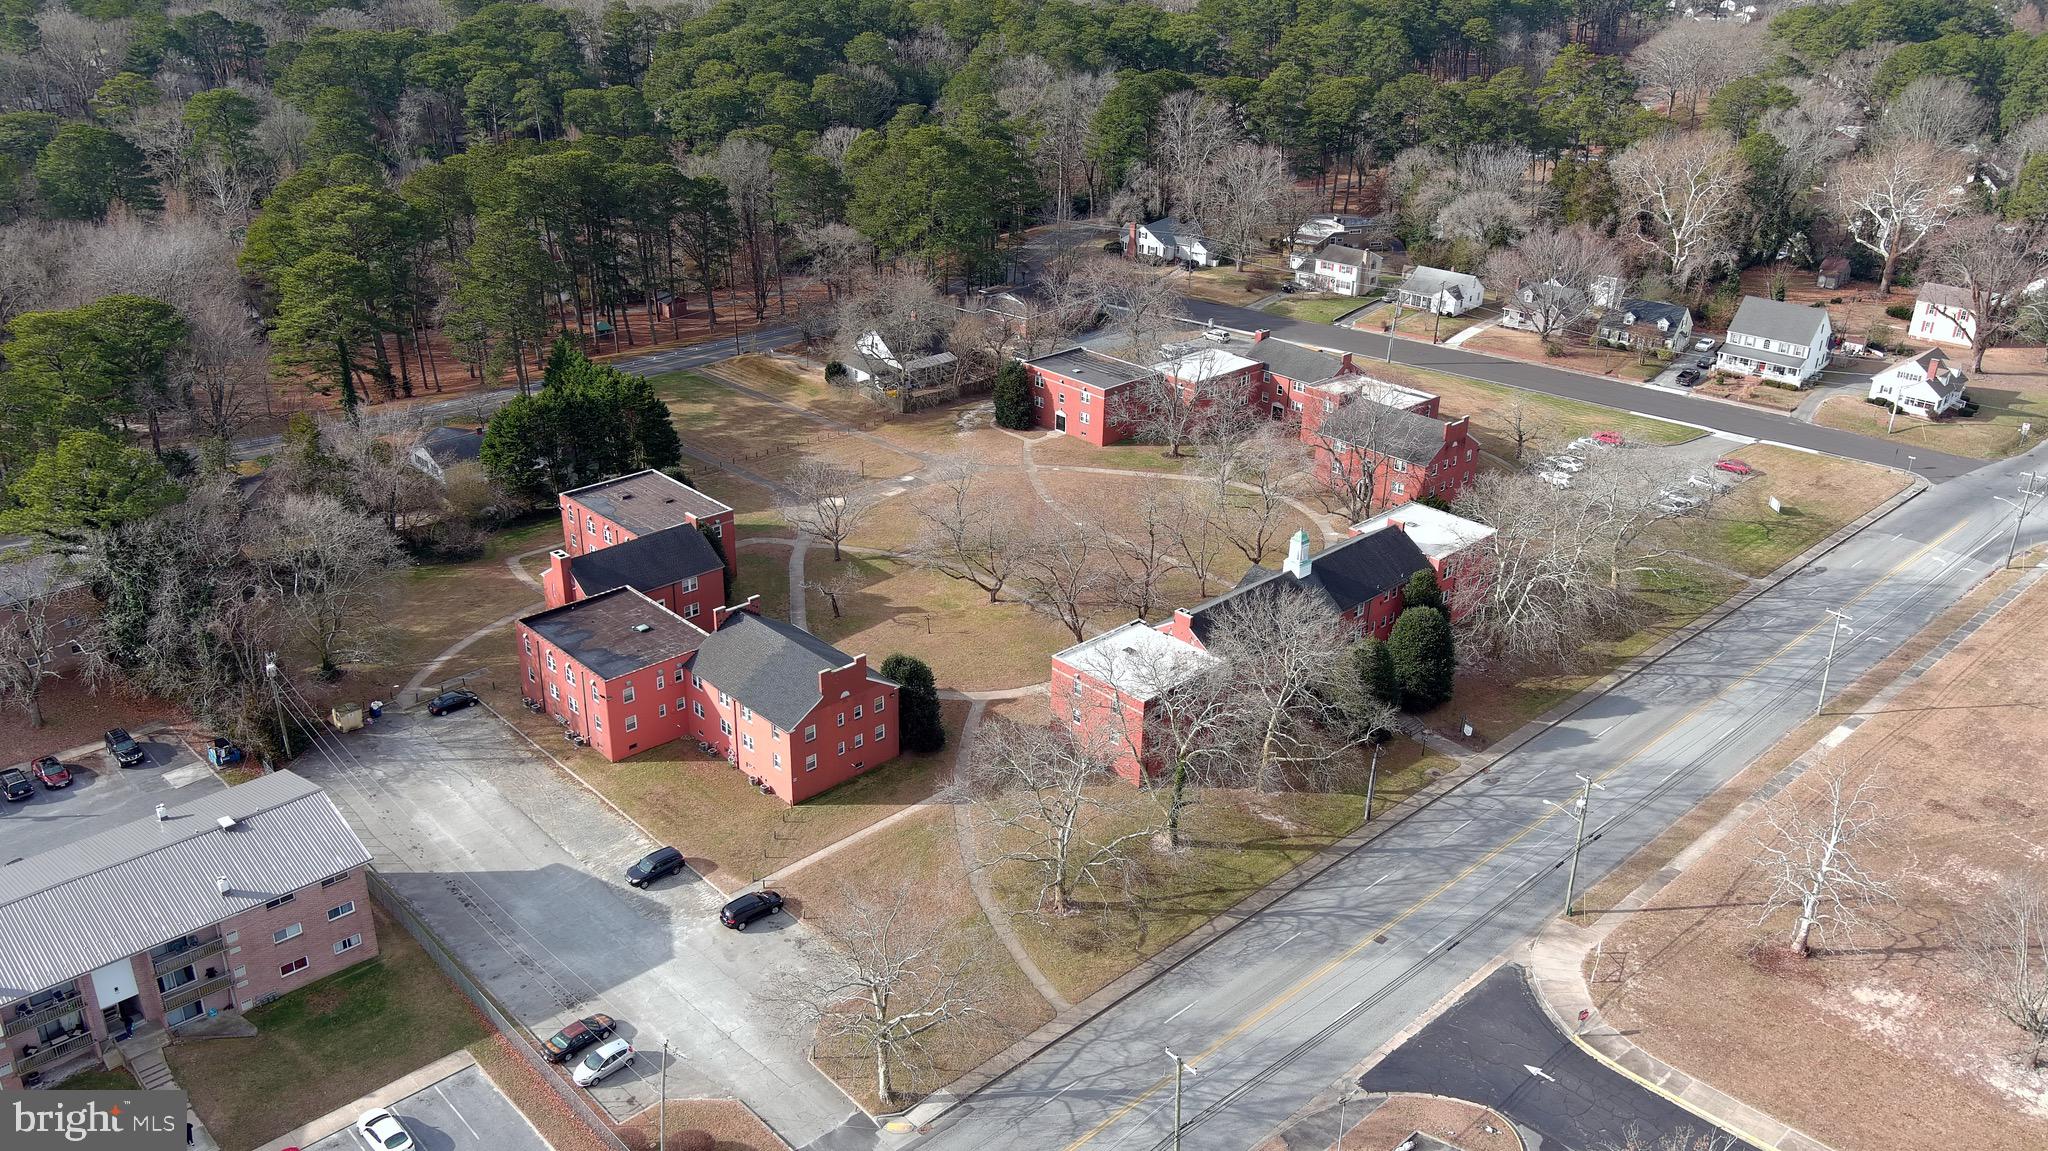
(124, 749)
(749, 907)
(16, 785)
(655, 864)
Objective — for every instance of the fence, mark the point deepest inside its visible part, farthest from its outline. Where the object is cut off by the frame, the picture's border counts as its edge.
(392, 902)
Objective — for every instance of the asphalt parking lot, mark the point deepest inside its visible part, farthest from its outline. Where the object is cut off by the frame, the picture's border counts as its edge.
(102, 795)
(1496, 1047)
(521, 872)
(464, 1112)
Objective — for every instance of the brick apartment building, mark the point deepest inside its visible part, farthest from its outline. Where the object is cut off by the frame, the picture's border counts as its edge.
(1417, 452)
(215, 905)
(628, 673)
(1103, 688)
(645, 531)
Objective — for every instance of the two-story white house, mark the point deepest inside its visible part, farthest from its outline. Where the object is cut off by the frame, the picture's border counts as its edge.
(1925, 385)
(1339, 269)
(1169, 239)
(1777, 341)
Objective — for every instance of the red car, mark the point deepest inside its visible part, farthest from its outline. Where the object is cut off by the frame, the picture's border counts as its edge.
(1736, 467)
(1611, 439)
(50, 773)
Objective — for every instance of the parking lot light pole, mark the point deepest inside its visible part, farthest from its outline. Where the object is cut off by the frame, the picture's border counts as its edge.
(661, 1139)
(1841, 626)
(1179, 1065)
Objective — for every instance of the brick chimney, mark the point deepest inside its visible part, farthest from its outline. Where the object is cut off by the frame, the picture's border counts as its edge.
(720, 614)
(556, 585)
(1297, 556)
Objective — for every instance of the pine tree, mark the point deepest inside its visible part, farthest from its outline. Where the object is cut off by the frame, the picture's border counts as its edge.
(1423, 591)
(1425, 657)
(917, 699)
(1013, 397)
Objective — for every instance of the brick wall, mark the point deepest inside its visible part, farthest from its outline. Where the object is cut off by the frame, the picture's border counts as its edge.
(257, 962)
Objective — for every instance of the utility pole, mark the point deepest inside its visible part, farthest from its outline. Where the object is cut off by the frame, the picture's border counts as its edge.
(1179, 1065)
(1841, 625)
(2027, 494)
(1578, 812)
(284, 728)
(1372, 777)
(661, 1139)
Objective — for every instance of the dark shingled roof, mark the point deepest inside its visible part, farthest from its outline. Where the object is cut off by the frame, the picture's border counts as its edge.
(1645, 312)
(647, 562)
(645, 502)
(770, 666)
(1301, 364)
(1346, 575)
(604, 632)
(453, 445)
(1410, 437)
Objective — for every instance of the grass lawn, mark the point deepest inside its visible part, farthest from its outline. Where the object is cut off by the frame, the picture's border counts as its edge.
(970, 643)
(1818, 495)
(924, 851)
(1316, 308)
(1574, 353)
(1748, 390)
(764, 571)
(1551, 421)
(434, 605)
(100, 1079)
(327, 1043)
(733, 834)
(1414, 324)
(528, 1089)
(739, 430)
(895, 523)
(1993, 433)
(1230, 285)
(1128, 457)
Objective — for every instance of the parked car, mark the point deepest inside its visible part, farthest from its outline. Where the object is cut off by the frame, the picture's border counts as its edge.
(576, 1036)
(449, 701)
(655, 864)
(16, 785)
(1579, 445)
(1687, 377)
(124, 749)
(51, 772)
(1736, 467)
(749, 907)
(1607, 439)
(222, 752)
(1565, 464)
(602, 1062)
(1705, 345)
(1555, 479)
(384, 1131)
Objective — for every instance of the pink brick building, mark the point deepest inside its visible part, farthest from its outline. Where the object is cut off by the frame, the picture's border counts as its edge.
(645, 531)
(216, 905)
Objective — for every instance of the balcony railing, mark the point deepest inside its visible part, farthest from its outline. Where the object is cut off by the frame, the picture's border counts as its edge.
(51, 1054)
(191, 954)
(180, 996)
(36, 1017)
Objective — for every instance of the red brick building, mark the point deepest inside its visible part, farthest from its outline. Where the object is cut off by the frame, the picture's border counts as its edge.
(627, 507)
(648, 532)
(216, 905)
(1103, 688)
(627, 673)
(1072, 392)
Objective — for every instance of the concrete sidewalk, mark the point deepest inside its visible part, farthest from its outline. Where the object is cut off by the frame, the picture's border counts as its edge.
(340, 1118)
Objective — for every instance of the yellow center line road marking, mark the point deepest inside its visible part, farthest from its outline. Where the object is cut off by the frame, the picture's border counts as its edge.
(1320, 973)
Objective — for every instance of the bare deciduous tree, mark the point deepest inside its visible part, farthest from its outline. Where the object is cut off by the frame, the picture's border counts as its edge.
(1254, 499)
(1896, 196)
(1142, 305)
(1186, 726)
(1936, 110)
(1158, 408)
(27, 650)
(1515, 426)
(1290, 722)
(1189, 133)
(1354, 450)
(1065, 574)
(839, 256)
(2006, 939)
(844, 579)
(1992, 264)
(1817, 832)
(831, 502)
(968, 535)
(1569, 259)
(1251, 190)
(1684, 188)
(901, 313)
(1191, 528)
(327, 565)
(893, 975)
(1054, 800)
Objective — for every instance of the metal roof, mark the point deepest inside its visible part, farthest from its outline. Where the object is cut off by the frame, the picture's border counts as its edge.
(646, 501)
(1089, 367)
(103, 898)
(1137, 659)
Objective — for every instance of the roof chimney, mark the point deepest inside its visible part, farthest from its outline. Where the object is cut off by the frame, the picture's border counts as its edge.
(221, 885)
(163, 813)
(1297, 556)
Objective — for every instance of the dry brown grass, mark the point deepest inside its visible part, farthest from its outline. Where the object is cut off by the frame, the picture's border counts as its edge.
(896, 521)
(1883, 1038)
(1464, 1125)
(1749, 390)
(730, 1123)
(970, 643)
(1988, 435)
(739, 430)
(1574, 353)
(1817, 494)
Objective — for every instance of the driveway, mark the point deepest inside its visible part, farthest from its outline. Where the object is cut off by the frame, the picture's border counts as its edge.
(464, 1112)
(521, 872)
(1496, 1047)
(102, 795)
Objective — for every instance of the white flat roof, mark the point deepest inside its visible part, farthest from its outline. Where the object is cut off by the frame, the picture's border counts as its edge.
(1137, 659)
(1207, 364)
(1436, 533)
(1378, 390)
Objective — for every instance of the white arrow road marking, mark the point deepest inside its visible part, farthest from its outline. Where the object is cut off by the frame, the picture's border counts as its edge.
(1538, 1072)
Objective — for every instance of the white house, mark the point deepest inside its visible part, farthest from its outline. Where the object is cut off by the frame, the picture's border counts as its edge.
(1339, 269)
(1925, 385)
(1777, 341)
(1646, 325)
(1169, 239)
(873, 357)
(1444, 292)
(1540, 307)
(1943, 315)
(445, 448)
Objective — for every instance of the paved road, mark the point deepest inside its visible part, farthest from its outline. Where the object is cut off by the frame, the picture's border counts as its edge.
(1281, 1007)
(1731, 418)
(480, 405)
(1482, 1048)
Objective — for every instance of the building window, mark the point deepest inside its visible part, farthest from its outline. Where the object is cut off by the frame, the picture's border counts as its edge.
(660, 680)
(554, 693)
(1087, 397)
(607, 533)
(842, 747)
(569, 676)
(625, 696)
(331, 880)
(859, 740)
(697, 707)
(349, 944)
(856, 711)
(747, 740)
(724, 700)
(775, 760)
(1077, 687)
(689, 583)
(810, 733)
(632, 723)
(597, 722)
(284, 934)
(1077, 716)
(341, 911)
(878, 703)
(881, 731)
(1400, 488)
(280, 901)
(661, 711)
(1084, 417)
(573, 709)
(526, 643)
(532, 676)
(690, 611)
(590, 523)
(810, 763)
(294, 967)
(551, 663)
(842, 719)
(1038, 401)
(694, 681)
(746, 713)
(724, 726)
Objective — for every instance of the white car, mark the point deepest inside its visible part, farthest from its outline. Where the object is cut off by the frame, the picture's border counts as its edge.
(1565, 464)
(1706, 345)
(602, 1061)
(384, 1131)
(1581, 444)
(1555, 479)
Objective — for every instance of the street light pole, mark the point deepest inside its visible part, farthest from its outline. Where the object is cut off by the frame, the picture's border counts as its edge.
(661, 1143)
(1179, 1065)
(1841, 622)
(1372, 777)
(2027, 494)
(284, 727)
